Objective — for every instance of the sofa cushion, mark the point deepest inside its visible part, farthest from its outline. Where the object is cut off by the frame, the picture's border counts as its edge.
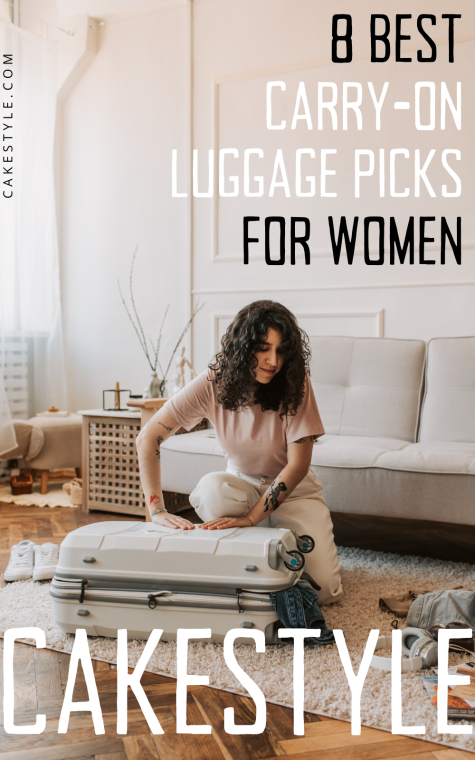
(29, 438)
(62, 442)
(432, 456)
(443, 497)
(448, 411)
(369, 476)
(353, 451)
(368, 386)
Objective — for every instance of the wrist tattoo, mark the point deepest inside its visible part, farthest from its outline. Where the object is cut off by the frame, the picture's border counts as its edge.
(154, 499)
(157, 450)
(273, 494)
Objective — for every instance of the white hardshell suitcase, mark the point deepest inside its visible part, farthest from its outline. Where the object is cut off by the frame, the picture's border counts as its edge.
(142, 576)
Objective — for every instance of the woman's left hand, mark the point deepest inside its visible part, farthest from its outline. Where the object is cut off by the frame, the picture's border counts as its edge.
(226, 522)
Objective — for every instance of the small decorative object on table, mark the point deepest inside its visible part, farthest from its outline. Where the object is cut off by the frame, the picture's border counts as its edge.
(117, 404)
(156, 386)
(53, 411)
(21, 481)
(179, 376)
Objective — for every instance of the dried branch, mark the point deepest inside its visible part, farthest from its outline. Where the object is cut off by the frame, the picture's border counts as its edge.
(157, 349)
(137, 325)
(135, 328)
(135, 310)
(195, 312)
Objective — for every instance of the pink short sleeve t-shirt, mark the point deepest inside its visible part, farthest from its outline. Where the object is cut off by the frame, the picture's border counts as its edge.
(254, 442)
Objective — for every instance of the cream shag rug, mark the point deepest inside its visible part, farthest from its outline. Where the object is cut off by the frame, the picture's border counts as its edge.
(366, 576)
(55, 497)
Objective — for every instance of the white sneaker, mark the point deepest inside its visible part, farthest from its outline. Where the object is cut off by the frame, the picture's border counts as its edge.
(46, 559)
(20, 566)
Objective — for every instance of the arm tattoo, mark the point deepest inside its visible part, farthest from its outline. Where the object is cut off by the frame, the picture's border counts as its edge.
(300, 440)
(165, 426)
(273, 494)
(157, 450)
(154, 499)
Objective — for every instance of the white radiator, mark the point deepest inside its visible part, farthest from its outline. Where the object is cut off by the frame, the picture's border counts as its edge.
(15, 373)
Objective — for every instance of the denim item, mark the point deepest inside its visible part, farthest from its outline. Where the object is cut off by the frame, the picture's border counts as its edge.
(442, 607)
(297, 607)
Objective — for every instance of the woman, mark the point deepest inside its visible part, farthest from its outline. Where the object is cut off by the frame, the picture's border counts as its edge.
(258, 395)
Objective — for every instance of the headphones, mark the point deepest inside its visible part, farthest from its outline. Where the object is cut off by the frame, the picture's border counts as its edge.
(421, 647)
(417, 644)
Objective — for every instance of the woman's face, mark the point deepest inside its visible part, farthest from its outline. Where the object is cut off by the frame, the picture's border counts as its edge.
(269, 358)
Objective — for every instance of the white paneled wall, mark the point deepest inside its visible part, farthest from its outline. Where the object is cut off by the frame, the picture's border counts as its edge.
(237, 49)
(120, 124)
(192, 75)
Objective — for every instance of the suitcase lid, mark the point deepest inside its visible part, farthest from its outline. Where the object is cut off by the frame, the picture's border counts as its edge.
(121, 532)
(146, 552)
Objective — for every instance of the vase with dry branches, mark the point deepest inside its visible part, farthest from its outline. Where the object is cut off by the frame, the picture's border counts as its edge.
(156, 387)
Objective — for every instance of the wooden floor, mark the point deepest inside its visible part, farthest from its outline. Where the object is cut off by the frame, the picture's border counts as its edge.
(41, 675)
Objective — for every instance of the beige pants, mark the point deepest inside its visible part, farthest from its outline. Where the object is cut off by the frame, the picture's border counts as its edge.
(226, 494)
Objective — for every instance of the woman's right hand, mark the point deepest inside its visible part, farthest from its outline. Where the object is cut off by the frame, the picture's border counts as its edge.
(172, 521)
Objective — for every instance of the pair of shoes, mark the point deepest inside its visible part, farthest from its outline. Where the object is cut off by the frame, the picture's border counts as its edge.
(27, 560)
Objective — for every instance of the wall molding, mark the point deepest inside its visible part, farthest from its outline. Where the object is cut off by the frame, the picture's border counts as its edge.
(315, 288)
(216, 82)
(430, 248)
(377, 316)
(215, 338)
(117, 10)
(316, 63)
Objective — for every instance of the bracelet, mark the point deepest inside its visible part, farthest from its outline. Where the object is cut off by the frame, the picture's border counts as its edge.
(250, 520)
(157, 512)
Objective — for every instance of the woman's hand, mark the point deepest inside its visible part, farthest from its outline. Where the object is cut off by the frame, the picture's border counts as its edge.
(226, 522)
(172, 521)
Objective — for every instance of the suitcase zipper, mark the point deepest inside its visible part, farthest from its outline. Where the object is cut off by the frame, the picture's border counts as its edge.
(83, 591)
(152, 598)
(70, 589)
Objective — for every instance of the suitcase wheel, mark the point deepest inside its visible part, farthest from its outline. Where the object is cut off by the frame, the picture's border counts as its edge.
(306, 544)
(297, 561)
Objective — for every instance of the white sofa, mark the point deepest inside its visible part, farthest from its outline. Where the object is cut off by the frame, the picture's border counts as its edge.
(399, 417)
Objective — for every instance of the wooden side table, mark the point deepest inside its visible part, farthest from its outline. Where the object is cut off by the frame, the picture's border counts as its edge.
(147, 407)
(110, 465)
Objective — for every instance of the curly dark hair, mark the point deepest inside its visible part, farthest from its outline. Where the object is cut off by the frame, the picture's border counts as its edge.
(236, 362)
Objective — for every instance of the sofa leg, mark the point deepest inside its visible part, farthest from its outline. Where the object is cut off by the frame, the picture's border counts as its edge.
(78, 472)
(44, 481)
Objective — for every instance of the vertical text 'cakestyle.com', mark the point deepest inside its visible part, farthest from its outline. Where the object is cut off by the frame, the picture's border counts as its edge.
(7, 125)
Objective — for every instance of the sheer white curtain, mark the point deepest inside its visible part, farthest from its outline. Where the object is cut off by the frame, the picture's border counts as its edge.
(30, 305)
